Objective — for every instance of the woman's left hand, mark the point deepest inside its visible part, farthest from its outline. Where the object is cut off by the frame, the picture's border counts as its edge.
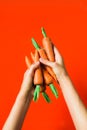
(27, 84)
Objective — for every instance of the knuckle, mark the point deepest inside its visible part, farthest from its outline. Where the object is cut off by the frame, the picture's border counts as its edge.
(32, 66)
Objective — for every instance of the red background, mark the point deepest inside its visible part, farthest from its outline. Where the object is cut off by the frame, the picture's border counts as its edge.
(66, 23)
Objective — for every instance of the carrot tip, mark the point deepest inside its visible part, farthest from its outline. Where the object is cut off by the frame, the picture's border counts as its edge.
(26, 57)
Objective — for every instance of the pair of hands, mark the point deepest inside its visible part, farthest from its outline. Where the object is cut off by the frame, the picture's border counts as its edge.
(76, 108)
(57, 66)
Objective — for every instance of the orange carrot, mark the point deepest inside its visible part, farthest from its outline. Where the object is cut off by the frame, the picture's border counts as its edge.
(51, 85)
(36, 57)
(32, 56)
(47, 78)
(42, 53)
(28, 62)
(51, 72)
(44, 56)
(43, 87)
(38, 77)
(48, 46)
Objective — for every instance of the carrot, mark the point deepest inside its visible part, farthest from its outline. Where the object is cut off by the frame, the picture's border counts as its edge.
(38, 77)
(37, 89)
(28, 62)
(47, 78)
(36, 56)
(44, 56)
(42, 53)
(42, 88)
(54, 90)
(48, 46)
(32, 56)
(38, 72)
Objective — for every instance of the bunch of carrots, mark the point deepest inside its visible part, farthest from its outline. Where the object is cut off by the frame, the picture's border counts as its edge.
(43, 75)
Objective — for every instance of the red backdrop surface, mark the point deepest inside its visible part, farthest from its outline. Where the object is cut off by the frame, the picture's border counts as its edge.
(66, 23)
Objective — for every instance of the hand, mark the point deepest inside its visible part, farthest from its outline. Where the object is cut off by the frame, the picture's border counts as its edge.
(22, 102)
(27, 84)
(57, 66)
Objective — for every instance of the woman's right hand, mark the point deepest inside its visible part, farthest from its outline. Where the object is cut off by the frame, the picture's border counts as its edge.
(57, 66)
(76, 107)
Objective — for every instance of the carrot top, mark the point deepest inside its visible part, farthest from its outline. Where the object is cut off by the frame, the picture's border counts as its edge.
(43, 32)
(35, 44)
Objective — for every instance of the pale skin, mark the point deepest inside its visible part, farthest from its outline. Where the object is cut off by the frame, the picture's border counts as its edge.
(75, 106)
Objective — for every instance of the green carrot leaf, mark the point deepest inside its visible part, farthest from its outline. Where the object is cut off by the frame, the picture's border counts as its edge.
(35, 43)
(46, 97)
(36, 93)
(54, 90)
(44, 32)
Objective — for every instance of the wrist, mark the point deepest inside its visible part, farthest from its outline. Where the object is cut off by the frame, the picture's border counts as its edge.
(62, 78)
(25, 95)
(61, 73)
(59, 70)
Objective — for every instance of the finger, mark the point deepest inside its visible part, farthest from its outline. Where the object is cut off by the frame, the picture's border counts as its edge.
(34, 66)
(58, 56)
(46, 62)
(26, 72)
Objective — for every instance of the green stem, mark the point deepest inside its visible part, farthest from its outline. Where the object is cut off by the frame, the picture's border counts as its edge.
(46, 97)
(36, 92)
(37, 89)
(35, 44)
(44, 32)
(54, 90)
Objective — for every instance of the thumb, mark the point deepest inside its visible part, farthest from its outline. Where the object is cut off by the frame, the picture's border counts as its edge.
(31, 70)
(34, 66)
(46, 62)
